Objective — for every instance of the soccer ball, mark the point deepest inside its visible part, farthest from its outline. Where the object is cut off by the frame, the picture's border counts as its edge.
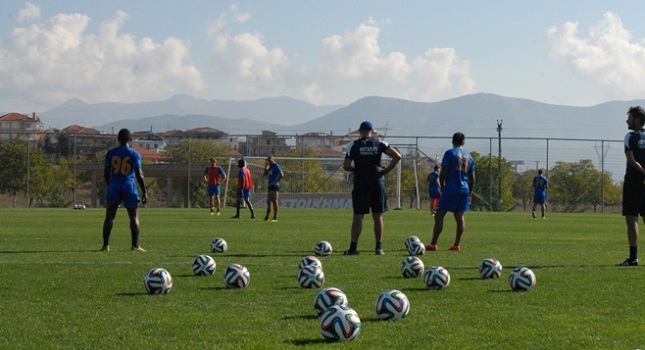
(204, 265)
(309, 261)
(412, 267)
(490, 268)
(340, 323)
(323, 248)
(218, 245)
(328, 297)
(416, 248)
(411, 239)
(392, 305)
(522, 279)
(157, 281)
(311, 277)
(236, 276)
(437, 278)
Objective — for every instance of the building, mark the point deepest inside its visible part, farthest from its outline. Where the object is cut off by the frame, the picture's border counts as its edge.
(21, 126)
(263, 145)
(174, 137)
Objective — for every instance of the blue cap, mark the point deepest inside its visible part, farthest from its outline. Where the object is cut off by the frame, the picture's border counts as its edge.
(366, 126)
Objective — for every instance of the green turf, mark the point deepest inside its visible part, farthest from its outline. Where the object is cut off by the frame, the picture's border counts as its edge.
(58, 292)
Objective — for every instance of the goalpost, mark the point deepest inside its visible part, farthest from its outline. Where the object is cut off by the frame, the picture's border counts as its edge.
(308, 183)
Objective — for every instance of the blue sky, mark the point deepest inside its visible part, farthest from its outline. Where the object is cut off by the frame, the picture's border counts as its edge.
(577, 53)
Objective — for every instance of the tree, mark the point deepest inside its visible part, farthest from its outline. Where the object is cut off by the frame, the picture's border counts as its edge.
(522, 188)
(485, 185)
(13, 172)
(575, 187)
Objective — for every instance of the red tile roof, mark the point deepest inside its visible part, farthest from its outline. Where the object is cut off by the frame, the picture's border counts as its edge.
(17, 117)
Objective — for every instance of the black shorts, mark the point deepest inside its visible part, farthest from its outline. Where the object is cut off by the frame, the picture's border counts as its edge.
(633, 197)
(366, 197)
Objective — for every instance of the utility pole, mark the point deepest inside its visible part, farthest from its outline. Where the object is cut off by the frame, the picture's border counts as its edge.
(499, 161)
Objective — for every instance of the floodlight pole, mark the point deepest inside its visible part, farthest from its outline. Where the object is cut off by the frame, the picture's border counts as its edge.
(499, 161)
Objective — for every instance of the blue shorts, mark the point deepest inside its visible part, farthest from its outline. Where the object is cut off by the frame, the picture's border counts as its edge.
(123, 192)
(366, 197)
(243, 194)
(213, 190)
(274, 187)
(539, 198)
(434, 194)
(454, 203)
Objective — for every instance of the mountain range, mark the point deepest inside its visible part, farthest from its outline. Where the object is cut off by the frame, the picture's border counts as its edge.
(475, 115)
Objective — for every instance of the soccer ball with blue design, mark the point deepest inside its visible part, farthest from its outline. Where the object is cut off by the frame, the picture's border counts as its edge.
(412, 267)
(437, 278)
(340, 323)
(522, 279)
(327, 298)
(157, 281)
(323, 248)
(219, 245)
(311, 277)
(392, 305)
(490, 268)
(204, 265)
(236, 276)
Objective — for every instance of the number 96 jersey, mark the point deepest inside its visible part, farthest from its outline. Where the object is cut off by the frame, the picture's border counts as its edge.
(123, 162)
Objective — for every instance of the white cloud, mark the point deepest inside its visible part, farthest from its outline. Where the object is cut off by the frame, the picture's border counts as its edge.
(29, 13)
(56, 61)
(352, 65)
(608, 56)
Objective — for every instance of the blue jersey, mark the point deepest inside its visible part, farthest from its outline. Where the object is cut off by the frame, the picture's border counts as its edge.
(433, 183)
(540, 184)
(458, 165)
(274, 173)
(122, 161)
(366, 154)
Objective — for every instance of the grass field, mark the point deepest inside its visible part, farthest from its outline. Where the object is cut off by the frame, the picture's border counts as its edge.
(58, 292)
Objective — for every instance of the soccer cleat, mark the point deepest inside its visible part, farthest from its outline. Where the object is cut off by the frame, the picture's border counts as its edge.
(378, 252)
(533, 213)
(628, 262)
(235, 217)
(218, 213)
(252, 216)
(105, 248)
(266, 218)
(349, 252)
(274, 220)
(214, 213)
(137, 249)
(455, 248)
(543, 217)
(431, 247)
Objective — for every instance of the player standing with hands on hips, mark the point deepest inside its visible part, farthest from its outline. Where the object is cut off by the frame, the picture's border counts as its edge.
(214, 175)
(634, 183)
(369, 185)
(457, 179)
(274, 174)
(540, 184)
(122, 166)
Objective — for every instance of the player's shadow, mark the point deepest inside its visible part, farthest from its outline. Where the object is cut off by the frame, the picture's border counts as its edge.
(305, 342)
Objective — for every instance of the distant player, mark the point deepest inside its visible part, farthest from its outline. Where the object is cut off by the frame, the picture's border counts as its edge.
(274, 174)
(122, 167)
(633, 184)
(457, 179)
(540, 185)
(244, 186)
(434, 189)
(214, 175)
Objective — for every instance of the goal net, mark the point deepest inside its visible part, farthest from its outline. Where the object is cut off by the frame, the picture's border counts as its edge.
(307, 183)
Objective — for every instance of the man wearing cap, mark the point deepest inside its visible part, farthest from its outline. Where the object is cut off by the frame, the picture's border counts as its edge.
(363, 158)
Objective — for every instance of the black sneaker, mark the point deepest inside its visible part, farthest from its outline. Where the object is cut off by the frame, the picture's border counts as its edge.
(349, 252)
(378, 252)
(235, 217)
(628, 262)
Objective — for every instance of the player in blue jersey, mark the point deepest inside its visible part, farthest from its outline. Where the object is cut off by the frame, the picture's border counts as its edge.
(634, 182)
(363, 158)
(122, 167)
(274, 174)
(457, 179)
(214, 175)
(540, 185)
(434, 189)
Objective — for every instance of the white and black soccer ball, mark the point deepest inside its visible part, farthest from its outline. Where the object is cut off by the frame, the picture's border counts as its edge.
(204, 265)
(392, 305)
(323, 248)
(309, 261)
(412, 267)
(236, 276)
(411, 239)
(436, 278)
(416, 248)
(340, 323)
(311, 277)
(157, 281)
(490, 268)
(218, 245)
(327, 297)
(522, 279)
